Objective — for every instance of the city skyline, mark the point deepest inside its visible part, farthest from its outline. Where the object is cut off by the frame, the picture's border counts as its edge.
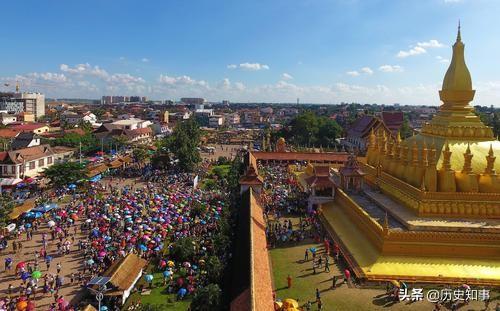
(318, 51)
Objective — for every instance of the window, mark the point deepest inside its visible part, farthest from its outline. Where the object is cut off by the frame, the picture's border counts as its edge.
(32, 165)
(12, 169)
(5, 169)
(41, 163)
(49, 160)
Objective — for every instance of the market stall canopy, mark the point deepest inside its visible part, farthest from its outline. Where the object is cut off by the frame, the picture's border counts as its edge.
(10, 181)
(23, 208)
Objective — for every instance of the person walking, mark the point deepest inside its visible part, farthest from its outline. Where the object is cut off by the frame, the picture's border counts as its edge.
(306, 255)
(334, 282)
(289, 281)
(327, 264)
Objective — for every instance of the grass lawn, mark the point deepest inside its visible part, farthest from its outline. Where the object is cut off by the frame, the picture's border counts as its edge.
(224, 169)
(158, 296)
(289, 260)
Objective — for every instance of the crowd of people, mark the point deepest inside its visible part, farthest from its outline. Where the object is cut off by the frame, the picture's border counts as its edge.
(106, 221)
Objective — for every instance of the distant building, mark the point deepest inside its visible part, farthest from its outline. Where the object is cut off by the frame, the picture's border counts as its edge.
(232, 119)
(393, 120)
(131, 124)
(7, 118)
(359, 132)
(25, 140)
(215, 121)
(34, 103)
(164, 117)
(37, 128)
(12, 105)
(193, 100)
(27, 162)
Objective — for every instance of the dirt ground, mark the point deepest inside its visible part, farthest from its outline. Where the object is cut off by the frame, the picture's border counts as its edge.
(72, 263)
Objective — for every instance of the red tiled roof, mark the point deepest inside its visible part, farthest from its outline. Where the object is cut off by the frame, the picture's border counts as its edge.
(28, 127)
(320, 182)
(393, 120)
(3, 155)
(28, 154)
(8, 133)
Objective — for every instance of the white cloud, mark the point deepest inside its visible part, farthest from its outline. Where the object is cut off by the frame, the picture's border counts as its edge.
(180, 80)
(367, 70)
(431, 44)
(85, 69)
(391, 68)
(413, 51)
(286, 76)
(364, 70)
(145, 60)
(420, 48)
(442, 59)
(249, 66)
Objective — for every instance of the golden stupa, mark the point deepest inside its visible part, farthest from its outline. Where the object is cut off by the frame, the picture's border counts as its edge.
(430, 211)
(452, 157)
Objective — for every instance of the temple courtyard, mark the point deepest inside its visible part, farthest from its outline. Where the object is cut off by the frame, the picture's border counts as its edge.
(288, 259)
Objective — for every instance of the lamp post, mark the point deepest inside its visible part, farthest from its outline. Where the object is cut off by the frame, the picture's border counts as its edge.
(100, 295)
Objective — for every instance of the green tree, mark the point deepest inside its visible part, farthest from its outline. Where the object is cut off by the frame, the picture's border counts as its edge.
(183, 249)
(6, 206)
(406, 130)
(140, 154)
(62, 174)
(215, 269)
(207, 298)
(119, 141)
(308, 129)
(183, 143)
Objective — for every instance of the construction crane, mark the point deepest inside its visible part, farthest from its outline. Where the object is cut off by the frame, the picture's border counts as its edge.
(30, 83)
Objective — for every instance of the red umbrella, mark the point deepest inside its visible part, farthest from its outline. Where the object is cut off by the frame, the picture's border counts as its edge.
(20, 265)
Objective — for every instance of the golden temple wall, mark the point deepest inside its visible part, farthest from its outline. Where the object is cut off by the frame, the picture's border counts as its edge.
(439, 204)
(419, 243)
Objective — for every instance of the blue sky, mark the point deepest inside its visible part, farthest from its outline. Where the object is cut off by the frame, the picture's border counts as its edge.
(322, 51)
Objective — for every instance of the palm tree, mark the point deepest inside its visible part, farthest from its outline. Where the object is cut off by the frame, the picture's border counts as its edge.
(4, 143)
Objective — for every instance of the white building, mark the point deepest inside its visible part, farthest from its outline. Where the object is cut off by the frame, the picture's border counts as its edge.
(131, 124)
(27, 162)
(215, 121)
(33, 103)
(6, 118)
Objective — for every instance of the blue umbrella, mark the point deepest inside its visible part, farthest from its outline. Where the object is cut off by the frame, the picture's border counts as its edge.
(27, 225)
(148, 278)
(104, 308)
(143, 247)
(182, 292)
(48, 258)
(167, 273)
(25, 275)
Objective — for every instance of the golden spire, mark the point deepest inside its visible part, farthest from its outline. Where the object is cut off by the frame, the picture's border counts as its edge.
(372, 138)
(398, 137)
(446, 166)
(490, 162)
(404, 154)
(457, 77)
(414, 153)
(432, 153)
(386, 223)
(383, 147)
(467, 160)
(425, 155)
